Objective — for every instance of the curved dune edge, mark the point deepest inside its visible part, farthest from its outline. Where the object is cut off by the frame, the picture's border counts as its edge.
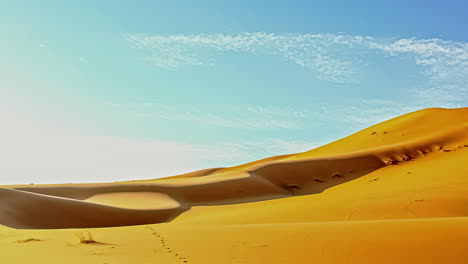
(135, 200)
(20, 209)
(68, 206)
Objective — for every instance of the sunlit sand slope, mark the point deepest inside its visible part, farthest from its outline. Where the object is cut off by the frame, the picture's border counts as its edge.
(406, 167)
(396, 192)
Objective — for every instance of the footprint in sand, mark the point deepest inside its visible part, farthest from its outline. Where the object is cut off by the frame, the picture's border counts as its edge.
(165, 247)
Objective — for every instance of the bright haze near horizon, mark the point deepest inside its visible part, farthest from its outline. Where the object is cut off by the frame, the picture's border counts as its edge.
(99, 91)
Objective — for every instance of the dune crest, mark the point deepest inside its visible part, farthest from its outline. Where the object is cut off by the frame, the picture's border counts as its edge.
(273, 183)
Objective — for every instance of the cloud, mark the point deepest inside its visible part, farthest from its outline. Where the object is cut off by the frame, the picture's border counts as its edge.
(83, 60)
(237, 117)
(310, 50)
(332, 57)
(444, 60)
(446, 66)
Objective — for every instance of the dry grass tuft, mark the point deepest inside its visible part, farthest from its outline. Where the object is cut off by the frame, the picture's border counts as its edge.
(86, 238)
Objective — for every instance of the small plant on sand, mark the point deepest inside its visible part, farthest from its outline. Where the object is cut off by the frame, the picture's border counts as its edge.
(86, 238)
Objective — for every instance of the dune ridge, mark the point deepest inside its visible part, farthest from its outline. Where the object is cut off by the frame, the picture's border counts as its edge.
(274, 181)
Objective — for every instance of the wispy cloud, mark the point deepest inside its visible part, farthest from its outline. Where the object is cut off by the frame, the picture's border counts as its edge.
(83, 60)
(311, 51)
(445, 64)
(238, 117)
(333, 57)
(444, 60)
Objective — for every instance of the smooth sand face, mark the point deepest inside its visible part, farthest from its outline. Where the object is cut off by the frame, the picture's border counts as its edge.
(135, 200)
(396, 192)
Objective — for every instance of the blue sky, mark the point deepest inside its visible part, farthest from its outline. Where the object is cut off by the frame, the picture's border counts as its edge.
(106, 90)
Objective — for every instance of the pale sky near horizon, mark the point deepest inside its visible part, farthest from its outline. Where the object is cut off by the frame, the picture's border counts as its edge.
(96, 91)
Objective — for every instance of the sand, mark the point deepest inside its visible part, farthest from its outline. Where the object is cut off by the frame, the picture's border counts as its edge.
(396, 192)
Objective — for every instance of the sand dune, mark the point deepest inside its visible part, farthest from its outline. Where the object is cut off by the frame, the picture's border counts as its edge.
(406, 174)
(272, 178)
(22, 209)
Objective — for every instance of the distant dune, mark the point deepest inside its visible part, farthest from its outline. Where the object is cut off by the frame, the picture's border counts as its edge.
(396, 192)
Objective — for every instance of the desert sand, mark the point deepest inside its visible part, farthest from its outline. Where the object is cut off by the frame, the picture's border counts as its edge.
(396, 192)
